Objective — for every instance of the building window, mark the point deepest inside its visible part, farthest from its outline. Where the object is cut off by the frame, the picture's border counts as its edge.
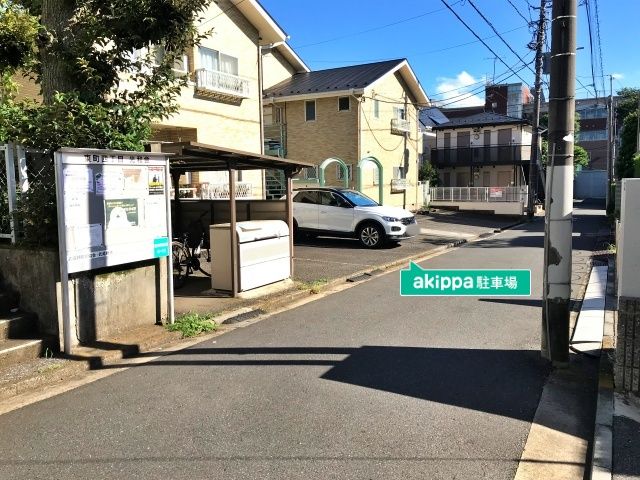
(398, 173)
(310, 173)
(592, 135)
(180, 64)
(340, 173)
(310, 110)
(399, 113)
(343, 104)
(214, 61)
(376, 108)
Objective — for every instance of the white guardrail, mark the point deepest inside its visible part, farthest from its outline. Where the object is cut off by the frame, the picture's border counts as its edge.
(478, 194)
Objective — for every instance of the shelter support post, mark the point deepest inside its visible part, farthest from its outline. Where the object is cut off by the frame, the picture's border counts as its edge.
(232, 231)
(288, 175)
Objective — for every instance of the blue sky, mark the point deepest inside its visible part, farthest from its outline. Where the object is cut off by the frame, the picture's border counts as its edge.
(336, 33)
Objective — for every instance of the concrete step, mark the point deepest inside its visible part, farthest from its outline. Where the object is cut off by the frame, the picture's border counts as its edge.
(15, 351)
(8, 300)
(17, 325)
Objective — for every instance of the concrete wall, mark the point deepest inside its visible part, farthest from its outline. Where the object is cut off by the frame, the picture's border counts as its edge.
(514, 209)
(103, 303)
(627, 358)
(34, 275)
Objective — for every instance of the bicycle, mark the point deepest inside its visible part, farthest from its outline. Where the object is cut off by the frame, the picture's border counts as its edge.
(186, 251)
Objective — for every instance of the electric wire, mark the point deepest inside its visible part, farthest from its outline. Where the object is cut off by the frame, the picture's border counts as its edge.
(517, 10)
(499, 36)
(427, 52)
(398, 22)
(483, 42)
(589, 22)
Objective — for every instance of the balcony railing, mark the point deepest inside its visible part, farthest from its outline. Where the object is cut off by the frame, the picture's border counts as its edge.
(489, 155)
(400, 127)
(478, 194)
(212, 83)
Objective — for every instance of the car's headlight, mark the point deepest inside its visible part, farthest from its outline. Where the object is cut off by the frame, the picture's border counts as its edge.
(390, 219)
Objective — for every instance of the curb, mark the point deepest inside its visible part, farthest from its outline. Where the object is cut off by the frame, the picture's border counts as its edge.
(602, 457)
(229, 319)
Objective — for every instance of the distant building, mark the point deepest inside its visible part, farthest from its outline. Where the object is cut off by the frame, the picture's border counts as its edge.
(593, 136)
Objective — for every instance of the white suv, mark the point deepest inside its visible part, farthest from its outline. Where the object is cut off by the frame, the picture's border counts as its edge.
(340, 212)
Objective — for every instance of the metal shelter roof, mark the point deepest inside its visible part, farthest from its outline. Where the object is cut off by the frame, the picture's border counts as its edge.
(193, 156)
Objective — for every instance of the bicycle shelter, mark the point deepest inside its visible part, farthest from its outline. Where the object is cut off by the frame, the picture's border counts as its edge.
(198, 157)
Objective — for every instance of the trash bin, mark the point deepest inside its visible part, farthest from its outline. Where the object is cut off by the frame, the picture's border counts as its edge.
(263, 254)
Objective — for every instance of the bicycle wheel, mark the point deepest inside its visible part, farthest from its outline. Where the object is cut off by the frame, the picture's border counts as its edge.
(180, 259)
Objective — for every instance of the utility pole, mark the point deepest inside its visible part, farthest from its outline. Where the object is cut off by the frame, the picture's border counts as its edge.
(535, 137)
(558, 217)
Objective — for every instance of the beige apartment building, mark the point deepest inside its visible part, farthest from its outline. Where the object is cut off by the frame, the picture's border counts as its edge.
(222, 105)
(358, 124)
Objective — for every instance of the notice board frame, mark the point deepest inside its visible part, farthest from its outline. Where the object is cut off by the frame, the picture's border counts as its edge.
(92, 182)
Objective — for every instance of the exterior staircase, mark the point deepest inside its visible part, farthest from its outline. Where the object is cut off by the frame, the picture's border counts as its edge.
(275, 184)
(19, 341)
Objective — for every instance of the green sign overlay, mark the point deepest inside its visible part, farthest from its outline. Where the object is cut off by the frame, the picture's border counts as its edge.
(161, 247)
(416, 281)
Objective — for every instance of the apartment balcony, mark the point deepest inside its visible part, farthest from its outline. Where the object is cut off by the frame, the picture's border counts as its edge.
(489, 155)
(400, 127)
(275, 140)
(221, 86)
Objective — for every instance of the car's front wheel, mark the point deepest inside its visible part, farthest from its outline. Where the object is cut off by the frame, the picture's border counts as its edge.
(371, 235)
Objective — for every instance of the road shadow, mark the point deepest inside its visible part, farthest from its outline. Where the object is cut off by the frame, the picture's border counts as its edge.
(501, 382)
(334, 242)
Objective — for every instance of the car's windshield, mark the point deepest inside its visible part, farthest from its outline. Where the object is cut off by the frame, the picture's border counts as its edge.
(359, 199)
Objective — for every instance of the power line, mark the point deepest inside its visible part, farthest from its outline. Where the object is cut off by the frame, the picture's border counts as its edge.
(398, 22)
(423, 52)
(517, 10)
(589, 21)
(599, 43)
(500, 36)
(483, 42)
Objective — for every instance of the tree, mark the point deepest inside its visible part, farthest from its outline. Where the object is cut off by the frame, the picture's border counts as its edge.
(96, 92)
(627, 103)
(628, 146)
(428, 173)
(580, 157)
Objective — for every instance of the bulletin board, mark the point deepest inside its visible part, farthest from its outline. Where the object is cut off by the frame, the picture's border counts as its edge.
(112, 207)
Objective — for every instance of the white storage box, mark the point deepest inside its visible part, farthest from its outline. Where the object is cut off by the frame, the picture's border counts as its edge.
(263, 254)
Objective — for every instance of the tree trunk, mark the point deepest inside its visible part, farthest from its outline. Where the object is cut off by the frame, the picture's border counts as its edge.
(57, 75)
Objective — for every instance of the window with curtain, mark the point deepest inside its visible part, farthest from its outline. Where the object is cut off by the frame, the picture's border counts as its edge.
(214, 61)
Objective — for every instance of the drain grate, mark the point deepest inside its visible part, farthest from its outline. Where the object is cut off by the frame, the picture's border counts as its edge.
(245, 316)
(359, 278)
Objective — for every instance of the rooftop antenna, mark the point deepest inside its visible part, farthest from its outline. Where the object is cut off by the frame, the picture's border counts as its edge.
(493, 78)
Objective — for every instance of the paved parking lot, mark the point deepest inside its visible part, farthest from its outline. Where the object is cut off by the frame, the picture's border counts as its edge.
(329, 258)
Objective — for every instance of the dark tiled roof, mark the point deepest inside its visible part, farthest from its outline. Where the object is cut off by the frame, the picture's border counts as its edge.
(460, 112)
(481, 119)
(433, 116)
(333, 79)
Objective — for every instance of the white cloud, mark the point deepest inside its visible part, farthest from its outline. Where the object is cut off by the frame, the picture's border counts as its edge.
(618, 76)
(455, 92)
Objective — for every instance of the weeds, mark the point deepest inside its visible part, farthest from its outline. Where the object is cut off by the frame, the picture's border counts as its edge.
(314, 287)
(192, 324)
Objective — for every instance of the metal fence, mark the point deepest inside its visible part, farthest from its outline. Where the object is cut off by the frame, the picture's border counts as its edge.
(27, 196)
(479, 194)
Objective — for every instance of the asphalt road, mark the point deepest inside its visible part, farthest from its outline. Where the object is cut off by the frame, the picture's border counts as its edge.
(362, 384)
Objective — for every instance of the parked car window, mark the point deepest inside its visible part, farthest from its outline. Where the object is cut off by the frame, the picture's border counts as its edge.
(359, 199)
(306, 197)
(331, 199)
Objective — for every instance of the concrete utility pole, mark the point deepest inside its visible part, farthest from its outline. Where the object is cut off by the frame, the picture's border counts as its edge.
(558, 217)
(610, 140)
(535, 138)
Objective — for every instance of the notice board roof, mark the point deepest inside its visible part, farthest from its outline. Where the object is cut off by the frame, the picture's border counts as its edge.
(193, 156)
